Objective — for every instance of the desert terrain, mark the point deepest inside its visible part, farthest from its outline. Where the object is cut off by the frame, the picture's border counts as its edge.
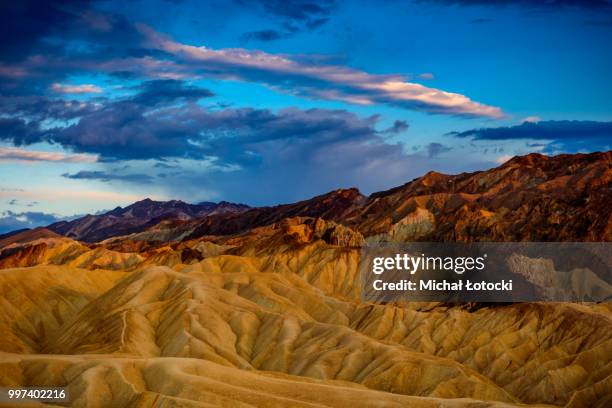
(166, 304)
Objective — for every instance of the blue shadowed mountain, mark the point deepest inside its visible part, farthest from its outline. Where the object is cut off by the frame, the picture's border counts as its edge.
(138, 217)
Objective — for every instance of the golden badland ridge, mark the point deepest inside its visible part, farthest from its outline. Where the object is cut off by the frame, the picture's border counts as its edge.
(244, 307)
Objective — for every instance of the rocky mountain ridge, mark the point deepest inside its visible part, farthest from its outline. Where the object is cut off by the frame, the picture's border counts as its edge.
(529, 198)
(138, 217)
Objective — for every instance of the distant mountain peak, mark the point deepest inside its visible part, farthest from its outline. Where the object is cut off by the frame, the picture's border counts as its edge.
(138, 216)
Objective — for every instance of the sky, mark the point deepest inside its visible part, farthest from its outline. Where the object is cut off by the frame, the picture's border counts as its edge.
(103, 103)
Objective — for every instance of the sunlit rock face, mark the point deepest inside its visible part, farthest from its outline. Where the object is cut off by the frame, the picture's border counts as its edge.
(529, 198)
(262, 307)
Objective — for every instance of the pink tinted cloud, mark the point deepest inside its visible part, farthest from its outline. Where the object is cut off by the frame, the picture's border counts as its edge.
(308, 79)
(14, 154)
(75, 89)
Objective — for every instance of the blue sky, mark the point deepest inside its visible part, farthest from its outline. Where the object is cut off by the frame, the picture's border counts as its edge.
(269, 101)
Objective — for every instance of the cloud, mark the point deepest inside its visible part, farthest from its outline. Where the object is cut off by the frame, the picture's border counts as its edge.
(11, 153)
(426, 76)
(24, 24)
(296, 15)
(297, 10)
(398, 126)
(106, 177)
(113, 45)
(41, 108)
(164, 120)
(48, 42)
(564, 135)
(12, 221)
(435, 149)
(164, 91)
(75, 89)
(16, 202)
(28, 26)
(139, 126)
(264, 35)
(257, 155)
(314, 80)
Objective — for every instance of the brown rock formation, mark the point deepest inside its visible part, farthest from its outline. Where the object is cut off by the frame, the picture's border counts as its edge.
(531, 198)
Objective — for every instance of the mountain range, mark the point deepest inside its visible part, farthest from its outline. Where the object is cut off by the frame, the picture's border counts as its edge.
(138, 217)
(529, 198)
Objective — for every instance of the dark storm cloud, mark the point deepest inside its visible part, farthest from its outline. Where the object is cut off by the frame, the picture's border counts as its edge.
(37, 108)
(106, 177)
(164, 91)
(52, 27)
(163, 120)
(565, 135)
(140, 126)
(23, 24)
(125, 130)
(45, 42)
(20, 132)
